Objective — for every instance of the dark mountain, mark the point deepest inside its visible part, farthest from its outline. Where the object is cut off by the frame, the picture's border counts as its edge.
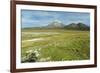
(78, 26)
(56, 24)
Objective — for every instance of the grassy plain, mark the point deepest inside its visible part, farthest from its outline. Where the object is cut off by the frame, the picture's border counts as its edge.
(54, 45)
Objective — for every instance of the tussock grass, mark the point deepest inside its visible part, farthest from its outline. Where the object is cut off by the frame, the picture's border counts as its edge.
(67, 45)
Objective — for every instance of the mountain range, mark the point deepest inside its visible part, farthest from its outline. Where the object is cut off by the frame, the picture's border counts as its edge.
(74, 26)
(56, 24)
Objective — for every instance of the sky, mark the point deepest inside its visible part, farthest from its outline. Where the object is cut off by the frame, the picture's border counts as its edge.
(38, 18)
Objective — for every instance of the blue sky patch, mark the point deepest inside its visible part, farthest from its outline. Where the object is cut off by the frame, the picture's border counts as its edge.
(38, 18)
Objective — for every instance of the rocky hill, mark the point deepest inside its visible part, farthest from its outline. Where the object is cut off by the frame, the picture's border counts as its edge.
(55, 24)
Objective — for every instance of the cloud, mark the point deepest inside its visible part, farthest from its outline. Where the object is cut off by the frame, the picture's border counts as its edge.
(37, 18)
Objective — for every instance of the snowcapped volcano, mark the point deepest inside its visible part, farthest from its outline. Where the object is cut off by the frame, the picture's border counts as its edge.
(55, 24)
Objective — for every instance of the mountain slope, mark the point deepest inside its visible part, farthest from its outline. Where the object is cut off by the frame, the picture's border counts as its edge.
(55, 24)
(78, 26)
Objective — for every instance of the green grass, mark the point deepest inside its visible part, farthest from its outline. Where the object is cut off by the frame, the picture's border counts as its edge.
(59, 45)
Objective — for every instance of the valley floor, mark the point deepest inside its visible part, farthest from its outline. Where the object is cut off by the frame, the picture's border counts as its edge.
(54, 45)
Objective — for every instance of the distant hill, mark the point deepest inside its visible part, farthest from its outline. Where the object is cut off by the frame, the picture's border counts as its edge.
(78, 26)
(55, 24)
(72, 26)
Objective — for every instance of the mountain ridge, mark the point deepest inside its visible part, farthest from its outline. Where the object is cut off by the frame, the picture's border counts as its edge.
(56, 24)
